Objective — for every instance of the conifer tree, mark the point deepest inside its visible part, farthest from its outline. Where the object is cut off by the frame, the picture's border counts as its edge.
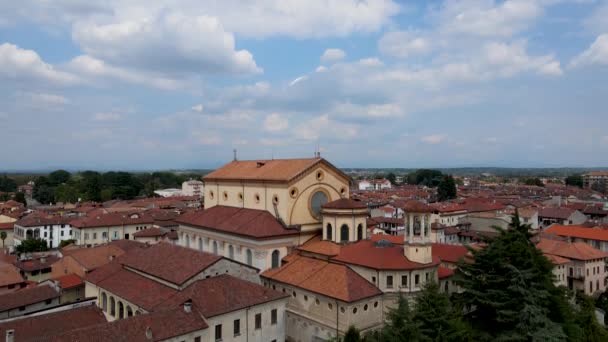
(400, 327)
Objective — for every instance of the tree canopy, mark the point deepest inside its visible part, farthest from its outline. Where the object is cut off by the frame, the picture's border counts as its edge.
(7, 184)
(574, 180)
(430, 178)
(446, 190)
(32, 245)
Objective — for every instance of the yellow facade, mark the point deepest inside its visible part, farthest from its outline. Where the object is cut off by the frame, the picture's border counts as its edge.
(289, 201)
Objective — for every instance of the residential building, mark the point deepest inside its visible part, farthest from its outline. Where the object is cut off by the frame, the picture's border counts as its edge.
(559, 215)
(11, 279)
(28, 300)
(193, 188)
(101, 228)
(225, 294)
(596, 180)
(374, 184)
(81, 261)
(448, 214)
(587, 268)
(596, 237)
(52, 229)
(168, 192)
(36, 267)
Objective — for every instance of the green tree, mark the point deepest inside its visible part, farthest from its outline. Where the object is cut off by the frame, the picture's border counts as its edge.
(430, 178)
(43, 192)
(352, 335)
(7, 184)
(66, 193)
(446, 190)
(391, 178)
(509, 291)
(58, 177)
(20, 197)
(399, 324)
(592, 331)
(64, 243)
(533, 181)
(574, 180)
(3, 237)
(90, 186)
(32, 245)
(439, 320)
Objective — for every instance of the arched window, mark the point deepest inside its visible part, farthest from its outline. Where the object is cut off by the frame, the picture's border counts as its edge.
(200, 244)
(249, 257)
(112, 307)
(275, 258)
(231, 252)
(360, 232)
(188, 241)
(329, 232)
(104, 301)
(316, 201)
(215, 247)
(344, 233)
(129, 311)
(121, 310)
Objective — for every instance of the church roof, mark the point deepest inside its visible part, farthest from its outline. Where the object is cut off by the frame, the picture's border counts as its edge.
(275, 170)
(344, 203)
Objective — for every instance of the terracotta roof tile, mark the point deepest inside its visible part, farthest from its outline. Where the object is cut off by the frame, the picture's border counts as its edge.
(279, 170)
(556, 260)
(318, 246)
(164, 325)
(559, 213)
(449, 253)
(94, 257)
(37, 263)
(443, 272)
(253, 223)
(26, 297)
(222, 294)
(579, 232)
(150, 232)
(69, 281)
(325, 278)
(417, 207)
(574, 250)
(169, 262)
(9, 275)
(42, 326)
(7, 225)
(366, 253)
(344, 203)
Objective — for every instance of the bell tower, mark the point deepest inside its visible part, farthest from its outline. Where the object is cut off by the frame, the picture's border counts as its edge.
(417, 245)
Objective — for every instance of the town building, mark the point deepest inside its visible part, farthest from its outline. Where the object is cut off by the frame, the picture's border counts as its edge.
(596, 180)
(11, 279)
(193, 187)
(28, 300)
(559, 215)
(586, 270)
(374, 184)
(52, 229)
(36, 267)
(596, 237)
(101, 228)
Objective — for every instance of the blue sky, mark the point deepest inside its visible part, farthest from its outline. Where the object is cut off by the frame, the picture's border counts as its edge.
(119, 84)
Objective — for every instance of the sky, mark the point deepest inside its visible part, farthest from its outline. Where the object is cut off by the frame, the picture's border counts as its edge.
(179, 84)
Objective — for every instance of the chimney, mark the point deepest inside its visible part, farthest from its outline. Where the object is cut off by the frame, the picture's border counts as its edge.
(10, 335)
(43, 259)
(148, 333)
(111, 257)
(188, 306)
(260, 164)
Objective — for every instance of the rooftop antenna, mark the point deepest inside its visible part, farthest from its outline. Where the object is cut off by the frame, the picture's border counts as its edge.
(234, 152)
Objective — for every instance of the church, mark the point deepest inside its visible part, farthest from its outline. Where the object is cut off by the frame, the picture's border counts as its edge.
(294, 221)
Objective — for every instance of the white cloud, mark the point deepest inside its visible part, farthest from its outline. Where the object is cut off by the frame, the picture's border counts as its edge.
(44, 99)
(298, 80)
(21, 64)
(596, 22)
(403, 44)
(370, 111)
(107, 116)
(597, 53)
(487, 17)
(168, 42)
(96, 68)
(509, 59)
(434, 138)
(202, 138)
(328, 129)
(275, 122)
(198, 108)
(332, 55)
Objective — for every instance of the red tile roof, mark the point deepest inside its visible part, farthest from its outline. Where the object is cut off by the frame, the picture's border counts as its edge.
(318, 246)
(580, 232)
(134, 288)
(7, 225)
(417, 207)
(574, 250)
(9, 275)
(449, 253)
(169, 262)
(164, 325)
(150, 232)
(276, 170)
(69, 281)
(366, 253)
(325, 278)
(112, 219)
(258, 224)
(558, 213)
(222, 294)
(443, 272)
(556, 260)
(37, 263)
(27, 297)
(394, 239)
(39, 327)
(94, 257)
(344, 203)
